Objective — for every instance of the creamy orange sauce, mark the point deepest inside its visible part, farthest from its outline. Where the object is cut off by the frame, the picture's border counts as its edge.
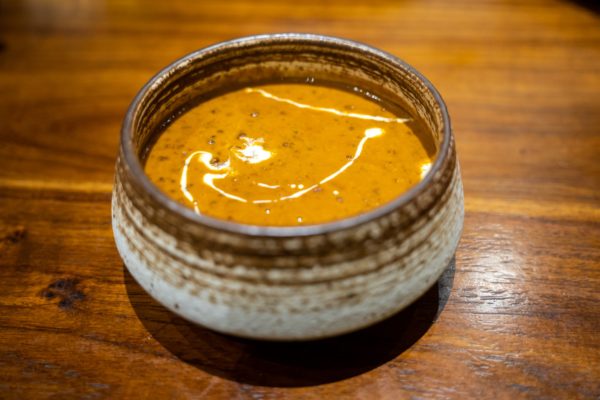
(286, 155)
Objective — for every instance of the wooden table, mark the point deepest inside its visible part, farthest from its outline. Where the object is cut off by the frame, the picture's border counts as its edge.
(516, 316)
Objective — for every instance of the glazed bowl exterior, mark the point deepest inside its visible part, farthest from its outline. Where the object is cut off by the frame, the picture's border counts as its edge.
(285, 283)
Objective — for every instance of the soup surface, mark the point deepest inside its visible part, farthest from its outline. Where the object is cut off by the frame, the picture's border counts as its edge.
(287, 154)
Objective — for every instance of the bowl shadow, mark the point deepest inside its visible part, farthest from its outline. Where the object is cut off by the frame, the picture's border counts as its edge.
(290, 364)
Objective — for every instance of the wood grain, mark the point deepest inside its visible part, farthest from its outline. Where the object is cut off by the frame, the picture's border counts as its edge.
(517, 316)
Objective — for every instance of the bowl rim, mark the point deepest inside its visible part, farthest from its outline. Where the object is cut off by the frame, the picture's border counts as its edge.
(137, 171)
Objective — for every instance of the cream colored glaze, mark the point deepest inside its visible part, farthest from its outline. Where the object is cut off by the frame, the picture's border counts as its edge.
(287, 154)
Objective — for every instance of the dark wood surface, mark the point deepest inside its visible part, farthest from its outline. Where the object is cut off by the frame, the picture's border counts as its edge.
(516, 316)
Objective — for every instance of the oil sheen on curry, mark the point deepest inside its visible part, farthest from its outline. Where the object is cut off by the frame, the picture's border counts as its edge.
(287, 154)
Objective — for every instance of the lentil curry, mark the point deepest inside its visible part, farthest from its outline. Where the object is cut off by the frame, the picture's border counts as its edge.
(288, 154)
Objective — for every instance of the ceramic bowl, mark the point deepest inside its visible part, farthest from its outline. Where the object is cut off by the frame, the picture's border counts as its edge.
(285, 283)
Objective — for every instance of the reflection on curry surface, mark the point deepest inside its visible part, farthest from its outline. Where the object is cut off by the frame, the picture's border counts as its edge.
(287, 154)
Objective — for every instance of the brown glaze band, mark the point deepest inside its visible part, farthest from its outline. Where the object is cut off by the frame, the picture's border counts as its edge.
(285, 282)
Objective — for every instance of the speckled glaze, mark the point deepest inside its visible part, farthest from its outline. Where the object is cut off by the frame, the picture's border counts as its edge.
(285, 283)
